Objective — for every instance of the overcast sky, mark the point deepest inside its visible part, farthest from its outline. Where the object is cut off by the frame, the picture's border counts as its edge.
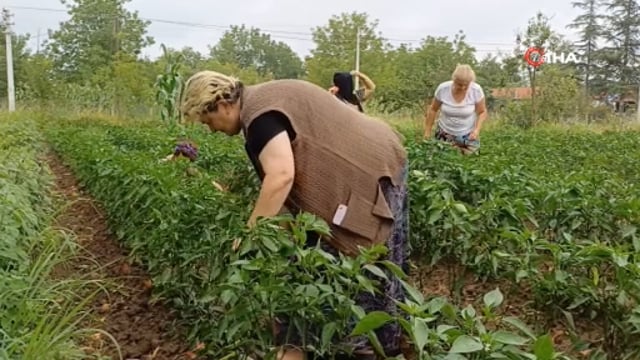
(490, 25)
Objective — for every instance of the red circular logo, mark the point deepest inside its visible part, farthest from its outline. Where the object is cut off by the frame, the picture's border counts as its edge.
(534, 56)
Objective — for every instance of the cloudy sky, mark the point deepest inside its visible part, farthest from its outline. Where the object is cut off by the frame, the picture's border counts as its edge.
(490, 25)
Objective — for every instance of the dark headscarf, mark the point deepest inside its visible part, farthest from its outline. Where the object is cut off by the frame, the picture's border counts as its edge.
(344, 82)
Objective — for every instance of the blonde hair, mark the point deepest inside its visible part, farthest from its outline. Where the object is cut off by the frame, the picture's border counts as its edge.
(463, 72)
(205, 90)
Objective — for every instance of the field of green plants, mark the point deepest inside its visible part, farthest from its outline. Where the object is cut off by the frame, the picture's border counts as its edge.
(544, 221)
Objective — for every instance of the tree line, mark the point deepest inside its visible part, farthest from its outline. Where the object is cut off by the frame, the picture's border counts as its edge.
(92, 61)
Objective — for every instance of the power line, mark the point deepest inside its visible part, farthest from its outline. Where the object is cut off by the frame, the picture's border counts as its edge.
(285, 34)
(494, 51)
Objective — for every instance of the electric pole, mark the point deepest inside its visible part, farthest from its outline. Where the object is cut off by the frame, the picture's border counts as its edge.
(38, 42)
(638, 105)
(6, 18)
(357, 56)
(115, 50)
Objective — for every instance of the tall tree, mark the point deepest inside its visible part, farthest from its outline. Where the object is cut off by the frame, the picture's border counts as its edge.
(98, 32)
(623, 36)
(335, 48)
(494, 73)
(588, 26)
(418, 72)
(251, 48)
(538, 34)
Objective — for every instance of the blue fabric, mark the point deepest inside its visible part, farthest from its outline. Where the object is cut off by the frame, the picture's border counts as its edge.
(459, 141)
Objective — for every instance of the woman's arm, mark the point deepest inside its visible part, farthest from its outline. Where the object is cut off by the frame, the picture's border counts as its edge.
(369, 85)
(481, 110)
(277, 163)
(430, 117)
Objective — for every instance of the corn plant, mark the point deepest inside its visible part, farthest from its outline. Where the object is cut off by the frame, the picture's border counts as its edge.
(168, 87)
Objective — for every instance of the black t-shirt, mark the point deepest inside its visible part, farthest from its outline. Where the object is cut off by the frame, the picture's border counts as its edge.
(264, 128)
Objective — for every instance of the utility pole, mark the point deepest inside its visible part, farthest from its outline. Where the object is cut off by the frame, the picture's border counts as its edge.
(38, 42)
(638, 105)
(357, 56)
(10, 85)
(115, 49)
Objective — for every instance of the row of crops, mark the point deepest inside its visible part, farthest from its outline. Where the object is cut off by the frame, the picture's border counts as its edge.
(555, 212)
(37, 312)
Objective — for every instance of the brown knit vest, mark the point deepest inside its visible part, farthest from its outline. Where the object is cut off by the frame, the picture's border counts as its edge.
(340, 155)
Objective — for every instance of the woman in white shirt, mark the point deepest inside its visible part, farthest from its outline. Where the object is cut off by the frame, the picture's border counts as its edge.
(462, 108)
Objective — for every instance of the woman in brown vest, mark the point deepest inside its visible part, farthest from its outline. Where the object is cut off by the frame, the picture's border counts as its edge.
(313, 156)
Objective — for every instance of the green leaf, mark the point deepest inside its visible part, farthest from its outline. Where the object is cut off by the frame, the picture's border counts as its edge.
(636, 244)
(628, 230)
(518, 324)
(376, 271)
(270, 244)
(620, 260)
(395, 269)
(493, 298)
(508, 338)
(469, 312)
(327, 333)
(441, 329)
(521, 274)
(421, 333)
(543, 348)
(370, 322)
(414, 294)
(466, 344)
(461, 208)
(435, 216)
(454, 357)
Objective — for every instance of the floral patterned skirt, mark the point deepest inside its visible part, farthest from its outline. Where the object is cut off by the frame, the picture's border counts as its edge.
(462, 142)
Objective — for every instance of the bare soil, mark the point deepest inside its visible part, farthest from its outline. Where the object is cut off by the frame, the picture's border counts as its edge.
(143, 330)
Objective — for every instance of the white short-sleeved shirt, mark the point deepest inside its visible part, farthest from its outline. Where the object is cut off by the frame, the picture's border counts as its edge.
(456, 118)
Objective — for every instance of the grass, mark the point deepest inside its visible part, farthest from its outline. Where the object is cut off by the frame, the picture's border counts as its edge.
(39, 313)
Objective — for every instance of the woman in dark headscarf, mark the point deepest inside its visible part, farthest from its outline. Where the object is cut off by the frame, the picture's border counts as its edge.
(343, 88)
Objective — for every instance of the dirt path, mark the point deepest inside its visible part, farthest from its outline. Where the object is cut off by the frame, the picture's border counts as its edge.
(142, 330)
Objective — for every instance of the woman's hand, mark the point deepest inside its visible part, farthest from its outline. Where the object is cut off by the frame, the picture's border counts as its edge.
(481, 111)
(168, 158)
(474, 135)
